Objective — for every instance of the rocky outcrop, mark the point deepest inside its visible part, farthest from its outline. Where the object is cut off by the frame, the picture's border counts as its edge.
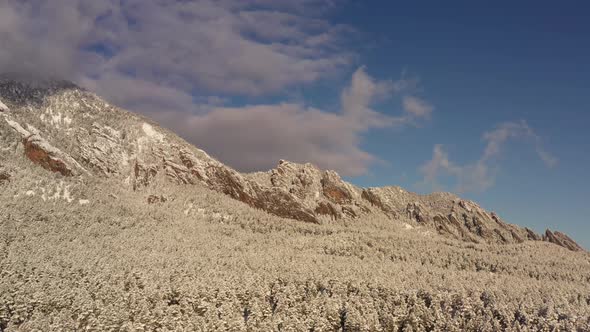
(40, 152)
(291, 190)
(448, 214)
(101, 148)
(44, 155)
(561, 240)
(335, 189)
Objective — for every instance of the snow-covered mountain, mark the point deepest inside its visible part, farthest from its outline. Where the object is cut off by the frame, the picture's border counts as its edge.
(110, 222)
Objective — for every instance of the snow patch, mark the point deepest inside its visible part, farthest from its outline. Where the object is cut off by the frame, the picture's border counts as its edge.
(191, 207)
(151, 132)
(83, 202)
(18, 128)
(33, 130)
(188, 210)
(61, 192)
(3, 107)
(55, 118)
(30, 193)
(67, 196)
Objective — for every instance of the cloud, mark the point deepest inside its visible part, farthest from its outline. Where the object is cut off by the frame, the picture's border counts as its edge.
(254, 138)
(480, 175)
(181, 61)
(417, 107)
(239, 47)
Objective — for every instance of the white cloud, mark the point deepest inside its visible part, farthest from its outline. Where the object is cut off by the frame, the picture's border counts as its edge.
(256, 137)
(417, 107)
(180, 61)
(242, 47)
(479, 175)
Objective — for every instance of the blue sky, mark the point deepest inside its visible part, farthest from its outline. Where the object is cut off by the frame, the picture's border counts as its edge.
(489, 100)
(482, 65)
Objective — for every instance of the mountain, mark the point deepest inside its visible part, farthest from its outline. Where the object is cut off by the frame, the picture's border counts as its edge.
(77, 134)
(96, 195)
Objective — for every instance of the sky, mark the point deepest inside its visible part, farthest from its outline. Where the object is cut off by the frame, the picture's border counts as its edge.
(490, 101)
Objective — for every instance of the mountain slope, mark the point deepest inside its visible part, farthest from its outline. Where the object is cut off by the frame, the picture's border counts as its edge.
(72, 132)
(109, 222)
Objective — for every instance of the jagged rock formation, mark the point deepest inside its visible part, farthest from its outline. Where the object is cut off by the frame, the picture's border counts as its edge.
(448, 214)
(561, 240)
(74, 133)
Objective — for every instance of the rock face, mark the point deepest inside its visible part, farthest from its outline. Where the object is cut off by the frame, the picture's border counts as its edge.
(40, 152)
(81, 136)
(448, 214)
(43, 154)
(561, 240)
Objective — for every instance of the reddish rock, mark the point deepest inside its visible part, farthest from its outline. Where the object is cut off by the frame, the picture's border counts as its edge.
(334, 188)
(39, 153)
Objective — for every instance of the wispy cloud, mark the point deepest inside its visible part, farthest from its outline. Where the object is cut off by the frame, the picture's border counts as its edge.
(480, 175)
(417, 107)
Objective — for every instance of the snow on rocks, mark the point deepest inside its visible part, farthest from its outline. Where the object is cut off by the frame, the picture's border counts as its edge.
(3, 107)
(60, 192)
(56, 119)
(152, 133)
(40, 152)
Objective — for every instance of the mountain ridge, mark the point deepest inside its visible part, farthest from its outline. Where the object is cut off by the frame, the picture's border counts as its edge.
(71, 131)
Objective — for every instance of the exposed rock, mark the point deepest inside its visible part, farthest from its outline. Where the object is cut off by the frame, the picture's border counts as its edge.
(178, 173)
(4, 177)
(283, 204)
(465, 206)
(373, 196)
(561, 240)
(448, 214)
(327, 208)
(154, 199)
(301, 180)
(144, 174)
(101, 148)
(415, 212)
(335, 189)
(351, 211)
(530, 235)
(44, 155)
(232, 183)
(40, 152)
